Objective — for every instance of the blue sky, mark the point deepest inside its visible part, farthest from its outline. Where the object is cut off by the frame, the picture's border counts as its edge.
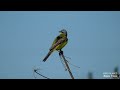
(26, 36)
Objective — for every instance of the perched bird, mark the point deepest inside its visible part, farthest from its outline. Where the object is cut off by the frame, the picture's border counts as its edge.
(59, 42)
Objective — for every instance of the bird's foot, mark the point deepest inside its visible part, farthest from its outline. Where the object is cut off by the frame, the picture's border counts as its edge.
(60, 53)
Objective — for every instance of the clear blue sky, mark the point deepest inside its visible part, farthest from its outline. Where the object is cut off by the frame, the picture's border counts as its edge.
(25, 38)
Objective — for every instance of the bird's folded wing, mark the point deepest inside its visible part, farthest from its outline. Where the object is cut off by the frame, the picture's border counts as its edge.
(58, 42)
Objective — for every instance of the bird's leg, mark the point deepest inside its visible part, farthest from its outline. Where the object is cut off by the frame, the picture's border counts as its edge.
(60, 52)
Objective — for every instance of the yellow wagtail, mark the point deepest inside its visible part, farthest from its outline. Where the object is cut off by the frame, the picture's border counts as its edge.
(59, 42)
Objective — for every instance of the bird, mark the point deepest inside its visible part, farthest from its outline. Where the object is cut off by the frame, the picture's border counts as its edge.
(59, 42)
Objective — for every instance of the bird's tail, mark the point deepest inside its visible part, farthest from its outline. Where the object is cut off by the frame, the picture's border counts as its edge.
(49, 53)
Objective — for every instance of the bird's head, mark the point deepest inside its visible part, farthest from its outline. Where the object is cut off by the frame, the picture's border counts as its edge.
(63, 31)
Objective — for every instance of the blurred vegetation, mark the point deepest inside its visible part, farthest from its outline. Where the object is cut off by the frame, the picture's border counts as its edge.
(116, 71)
(90, 75)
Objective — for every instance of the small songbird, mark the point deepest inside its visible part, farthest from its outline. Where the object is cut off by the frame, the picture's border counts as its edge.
(59, 42)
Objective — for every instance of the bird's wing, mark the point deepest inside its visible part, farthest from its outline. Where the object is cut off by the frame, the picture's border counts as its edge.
(55, 41)
(59, 41)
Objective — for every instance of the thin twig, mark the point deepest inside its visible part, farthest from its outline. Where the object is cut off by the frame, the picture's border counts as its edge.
(40, 74)
(61, 53)
(73, 64)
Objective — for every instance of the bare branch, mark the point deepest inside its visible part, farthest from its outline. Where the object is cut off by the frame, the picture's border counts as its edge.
(61, 53)
(35, 70)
